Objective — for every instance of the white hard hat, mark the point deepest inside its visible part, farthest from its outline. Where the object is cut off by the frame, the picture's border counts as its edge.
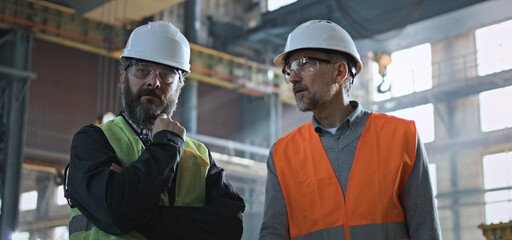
(321, 34)
(159, 42)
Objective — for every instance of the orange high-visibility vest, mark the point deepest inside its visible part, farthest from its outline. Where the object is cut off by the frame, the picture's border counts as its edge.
(371, 209)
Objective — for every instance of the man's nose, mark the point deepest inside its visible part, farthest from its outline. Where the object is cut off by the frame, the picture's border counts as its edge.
(153, 80)
(294, 77)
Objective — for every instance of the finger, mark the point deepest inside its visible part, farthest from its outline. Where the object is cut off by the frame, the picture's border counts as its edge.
(174, 122)
(162, 115)
(116, 168)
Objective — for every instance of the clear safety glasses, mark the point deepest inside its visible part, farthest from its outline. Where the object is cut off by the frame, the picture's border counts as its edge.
(143, 70)
(302, 66)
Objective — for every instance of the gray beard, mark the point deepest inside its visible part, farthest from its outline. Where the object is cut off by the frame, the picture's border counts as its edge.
(145, 113)
(309, 105)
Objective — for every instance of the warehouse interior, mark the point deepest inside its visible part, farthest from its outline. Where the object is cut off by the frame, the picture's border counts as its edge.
(447, 65)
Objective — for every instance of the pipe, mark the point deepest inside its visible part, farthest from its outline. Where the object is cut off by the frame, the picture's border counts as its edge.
(56, 30)
(17, 72)
(230, 144)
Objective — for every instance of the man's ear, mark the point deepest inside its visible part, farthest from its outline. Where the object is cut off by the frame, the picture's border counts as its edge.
(342, 72)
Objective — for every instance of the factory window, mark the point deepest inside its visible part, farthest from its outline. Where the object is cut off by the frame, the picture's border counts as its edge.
(21, 236)
(493, 48)
(410, 71)
(495, 111)
(28, 201)
(59, 196)
(423, 116)
(275, 4)
(61, 233)
(498, 187)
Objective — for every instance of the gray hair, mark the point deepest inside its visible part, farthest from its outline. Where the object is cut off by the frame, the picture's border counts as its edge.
(351, 66)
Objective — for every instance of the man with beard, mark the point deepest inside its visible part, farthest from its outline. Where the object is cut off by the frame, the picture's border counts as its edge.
(138, 176)
(350, 173)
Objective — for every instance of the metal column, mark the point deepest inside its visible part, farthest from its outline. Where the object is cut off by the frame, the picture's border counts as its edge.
(275, 117)
(15, 55)
(189, 91)
(454, 173)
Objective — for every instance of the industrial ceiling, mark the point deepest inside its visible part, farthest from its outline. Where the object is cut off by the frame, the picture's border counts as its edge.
(376, 25)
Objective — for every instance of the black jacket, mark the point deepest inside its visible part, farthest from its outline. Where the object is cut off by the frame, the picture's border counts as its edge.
(119, 202)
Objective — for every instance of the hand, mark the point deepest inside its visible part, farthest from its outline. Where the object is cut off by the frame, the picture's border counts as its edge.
(162, 122)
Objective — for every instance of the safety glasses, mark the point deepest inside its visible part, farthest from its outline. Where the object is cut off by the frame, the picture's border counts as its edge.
(302, 66)
(143, 70)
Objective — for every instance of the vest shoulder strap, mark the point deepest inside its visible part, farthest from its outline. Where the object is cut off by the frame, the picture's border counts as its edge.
(123, 139)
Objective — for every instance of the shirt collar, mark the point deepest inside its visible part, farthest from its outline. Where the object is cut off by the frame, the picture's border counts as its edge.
(355, 117)
(141, 131)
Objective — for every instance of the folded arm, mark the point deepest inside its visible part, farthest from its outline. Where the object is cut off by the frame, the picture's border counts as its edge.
(118, 200)
(220, 218)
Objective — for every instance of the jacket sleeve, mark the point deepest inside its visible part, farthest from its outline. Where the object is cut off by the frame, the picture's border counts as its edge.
(117, 201)
(275, 215)
(220, 218)
(418, 200)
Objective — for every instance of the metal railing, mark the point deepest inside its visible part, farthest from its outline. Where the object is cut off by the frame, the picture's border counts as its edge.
(214, 67)
(456, 68)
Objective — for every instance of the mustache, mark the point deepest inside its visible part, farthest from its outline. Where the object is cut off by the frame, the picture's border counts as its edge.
(300, 87)
(153, 92)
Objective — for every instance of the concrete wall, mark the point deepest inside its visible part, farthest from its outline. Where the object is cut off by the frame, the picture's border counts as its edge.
(64, 97)
(459, 170)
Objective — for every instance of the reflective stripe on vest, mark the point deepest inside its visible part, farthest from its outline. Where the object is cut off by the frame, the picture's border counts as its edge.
(381, 231)
(79, 223)
(337, 233)
(81, 228)
(190, 181)
(383, 162)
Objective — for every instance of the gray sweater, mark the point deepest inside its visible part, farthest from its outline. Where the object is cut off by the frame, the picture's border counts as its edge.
(417, 198)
